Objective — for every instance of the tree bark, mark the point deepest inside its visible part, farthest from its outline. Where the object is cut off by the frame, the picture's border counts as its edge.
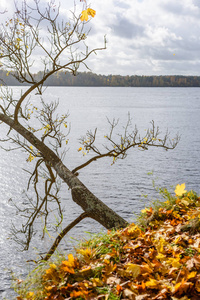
(94, 207)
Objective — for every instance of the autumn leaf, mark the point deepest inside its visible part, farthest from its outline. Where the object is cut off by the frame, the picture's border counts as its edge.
(85, 252)
(85, 269)
(71, 260)
(197, 286)
(119, 289)
(30, 294)
(133, 269)
(69, 265)
(97, 282)
(76, 294)
(160, 263)
(145, 140)
(148, 211)
(30, 158)
(128, 294)
(84, 16)
(152, 283)
(133, 231)
(193, 262)
(180, 189)
(181, 287)
(192, 275)
(91, 12)
(108, 269)
(160, 245)
(86, 13)
(67, 269)
(174, 262)
(146, 269)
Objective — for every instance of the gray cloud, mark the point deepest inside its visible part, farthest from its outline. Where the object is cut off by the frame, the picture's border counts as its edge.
(126, 29)
(122, 4)
(174, 7)
(196, 3)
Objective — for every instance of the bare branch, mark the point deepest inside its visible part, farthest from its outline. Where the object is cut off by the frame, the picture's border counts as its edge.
(119, 144)
(62, 234)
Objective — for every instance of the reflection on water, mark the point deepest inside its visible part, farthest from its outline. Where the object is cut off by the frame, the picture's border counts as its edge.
(121, 185)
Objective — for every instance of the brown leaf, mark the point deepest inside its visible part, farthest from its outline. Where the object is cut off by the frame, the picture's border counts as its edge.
(182, 287)
(113, 280)
(128, 294)
(193, 262)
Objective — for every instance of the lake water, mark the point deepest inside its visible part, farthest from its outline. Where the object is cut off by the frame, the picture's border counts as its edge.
(122, 185)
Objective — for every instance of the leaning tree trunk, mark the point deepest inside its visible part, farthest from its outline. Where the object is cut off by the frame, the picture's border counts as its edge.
(94, 207)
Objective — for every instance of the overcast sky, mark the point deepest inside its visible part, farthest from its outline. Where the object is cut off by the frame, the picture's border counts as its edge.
(145, 37)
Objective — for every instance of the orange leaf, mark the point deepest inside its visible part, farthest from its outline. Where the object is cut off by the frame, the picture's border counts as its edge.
(76, 294)
(69, 270)
(69, 265)
(119, 289)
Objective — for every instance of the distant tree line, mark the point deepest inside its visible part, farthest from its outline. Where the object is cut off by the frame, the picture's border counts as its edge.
(91, 79)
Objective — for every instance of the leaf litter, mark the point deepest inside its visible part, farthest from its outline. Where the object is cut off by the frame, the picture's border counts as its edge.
(158, 259)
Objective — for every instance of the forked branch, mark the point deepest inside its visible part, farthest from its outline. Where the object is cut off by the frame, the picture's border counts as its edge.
(118, 145)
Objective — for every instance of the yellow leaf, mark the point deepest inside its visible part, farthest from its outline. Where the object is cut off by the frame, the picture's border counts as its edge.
(134, 231)
(133, 269)
(80, 148)
(84, 16)
(71, 261)
(174, 262)
(97, 282)
(91, 12)
(145, 140)
(160, 245)
(85, 252)
(152, 283)
(192, 275)
(109, 267)
(160, 256)
(53, 266)
(85, 13)
(49, 288)
(85, 269)
(30, 158)
(180, 189)
(30, 294)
